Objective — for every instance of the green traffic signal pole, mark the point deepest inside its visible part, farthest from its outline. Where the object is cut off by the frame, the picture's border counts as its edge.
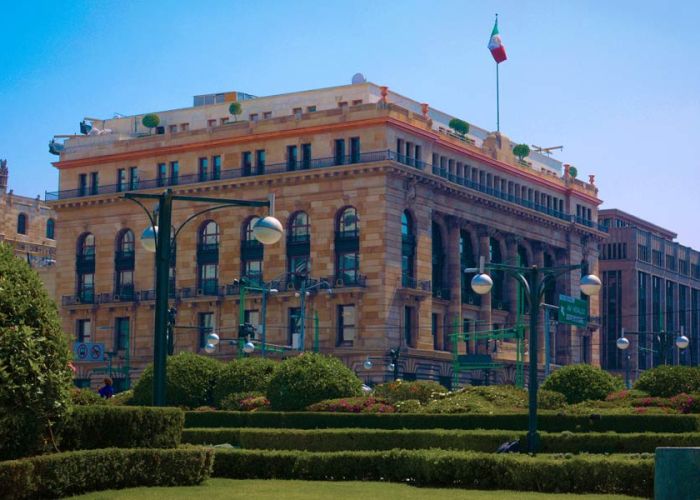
(163, 248)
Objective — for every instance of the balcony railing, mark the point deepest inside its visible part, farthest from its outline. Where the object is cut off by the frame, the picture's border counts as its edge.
(441, 293)
(333, 161)
(415, 284)
(347, 280)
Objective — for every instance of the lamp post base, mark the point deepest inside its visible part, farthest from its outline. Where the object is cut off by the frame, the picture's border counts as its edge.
(533, 442)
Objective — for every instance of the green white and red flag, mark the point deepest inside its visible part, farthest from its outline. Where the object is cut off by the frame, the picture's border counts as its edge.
(498, 51)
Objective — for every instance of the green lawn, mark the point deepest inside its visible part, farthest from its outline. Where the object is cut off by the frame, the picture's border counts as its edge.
(319, 490)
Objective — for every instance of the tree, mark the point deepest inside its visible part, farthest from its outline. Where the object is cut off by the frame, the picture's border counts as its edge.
(460, 127)
(35, 377)
(151, 120)
(521, 151)
(235, 109)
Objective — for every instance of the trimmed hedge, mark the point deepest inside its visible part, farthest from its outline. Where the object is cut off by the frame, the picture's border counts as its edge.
(577, 474)
(547, 421)
(104, 426)
(477, 440)
(62, 474)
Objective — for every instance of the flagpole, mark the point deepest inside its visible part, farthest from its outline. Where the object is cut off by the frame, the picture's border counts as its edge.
(498, 103)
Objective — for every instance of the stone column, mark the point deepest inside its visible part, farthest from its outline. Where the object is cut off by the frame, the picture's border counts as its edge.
(512, 285)
(454, 271)
(485, 322)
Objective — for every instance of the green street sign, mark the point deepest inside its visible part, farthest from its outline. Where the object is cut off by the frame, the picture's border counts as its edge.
(573, 311)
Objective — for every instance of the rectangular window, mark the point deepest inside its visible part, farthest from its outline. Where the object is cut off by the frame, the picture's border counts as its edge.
(657, 258)
(643, 253)
(216, 167)
(121, 334)
(343, 104)
(253, 117)
(162, 174)
(252, 317)
(354, 150)
(310, 109)
(434, 331)
(203, 169)
(399, 149)
(211, 123)
(133, 178)
(356, 102)
(246, 163)
(347, 321)
(260, 161)
(94, 182)
(121, 180)
(223, 121)
(206, 326)
(208, 279)
(252, 269)
(294, 327)
(305, 156)
(408, 325)
(419, 156)
(174, 172)
(296, 111)
(267, 115)
(292, 157)
(670, 263)
(348, 266)
(83, 330)
(82, 184)
(184, 127)
(339, 151)
(172, 129)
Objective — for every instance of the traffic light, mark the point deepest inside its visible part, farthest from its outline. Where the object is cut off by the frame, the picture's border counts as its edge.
(246, 330)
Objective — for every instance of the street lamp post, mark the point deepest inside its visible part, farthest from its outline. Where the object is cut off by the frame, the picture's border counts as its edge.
(157, 238)
(622, 344)
(534, 280)
(392, 366)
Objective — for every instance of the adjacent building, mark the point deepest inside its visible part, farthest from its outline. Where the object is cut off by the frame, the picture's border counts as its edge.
(29, 226)
(381, 201)
(651, 288)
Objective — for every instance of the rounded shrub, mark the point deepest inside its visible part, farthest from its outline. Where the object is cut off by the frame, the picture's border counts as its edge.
(35, 378)
(666, 381)
(309, 378)
(151, 120)
(190, 381)
(81, 397)
(398, 390)
(550, 400)
(582, 382)
(244, 401)
(244, 375)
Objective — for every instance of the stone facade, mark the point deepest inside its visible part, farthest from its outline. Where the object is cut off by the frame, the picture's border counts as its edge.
(28, 225)
(460, 197)
(651, 288)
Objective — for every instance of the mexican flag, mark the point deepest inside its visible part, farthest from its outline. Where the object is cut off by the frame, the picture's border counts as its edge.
(498, 51)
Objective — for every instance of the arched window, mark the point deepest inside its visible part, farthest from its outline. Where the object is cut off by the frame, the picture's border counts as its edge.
(208, 259)
(498, 277)
(124, 266)
(252, 252)
(438, 259)
(22, 224)
(299, 245)
(347, 248)
(408, 250)
(85, 269)
(466, 252)
(50, 229)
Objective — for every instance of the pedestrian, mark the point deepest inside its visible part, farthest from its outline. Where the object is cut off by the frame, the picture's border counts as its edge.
(107, 391)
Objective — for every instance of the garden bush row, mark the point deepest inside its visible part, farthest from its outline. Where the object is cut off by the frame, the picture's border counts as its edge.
(547, 421)
(61, 474)
(477, 440)
(90, 427)
(544, 473)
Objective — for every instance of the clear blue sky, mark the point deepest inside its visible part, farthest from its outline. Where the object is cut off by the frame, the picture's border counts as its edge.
(616, 83)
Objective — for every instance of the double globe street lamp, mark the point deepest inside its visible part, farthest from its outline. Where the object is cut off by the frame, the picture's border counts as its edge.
(623, 343)
(534, 280)
(158, 238)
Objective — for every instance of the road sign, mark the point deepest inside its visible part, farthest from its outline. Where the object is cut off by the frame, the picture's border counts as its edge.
(88, 351)
(573, 311)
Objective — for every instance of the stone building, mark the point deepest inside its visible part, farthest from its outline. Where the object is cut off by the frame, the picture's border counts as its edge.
(379, 198)
(29, 226)
(651, 288)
